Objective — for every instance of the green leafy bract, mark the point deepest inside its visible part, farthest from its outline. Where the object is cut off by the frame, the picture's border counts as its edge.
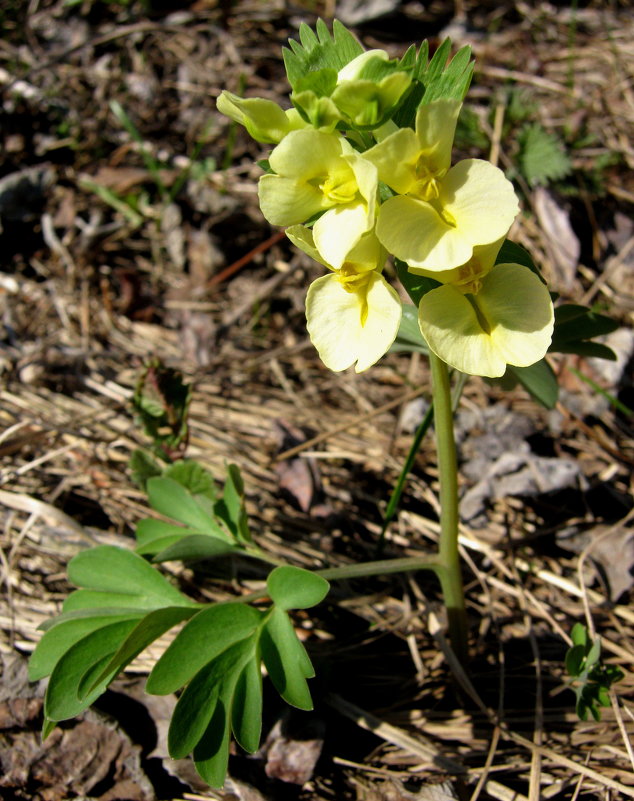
(320, 50)
(435, 79)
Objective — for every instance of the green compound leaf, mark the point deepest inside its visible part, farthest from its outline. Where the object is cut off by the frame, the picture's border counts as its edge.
(319, 50)
(294, 588)
(173, 500)
(142, 467)
(191, 548)
(542, 158)
(286, 660)
(211, 754)
(579, 634)
(201, 640)
(575, 657)
(193, 476)
(161, 400)
(116, 577)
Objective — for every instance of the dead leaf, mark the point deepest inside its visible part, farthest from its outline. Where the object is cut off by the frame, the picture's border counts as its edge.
(611, 549)
(562, 241)
(292, 750)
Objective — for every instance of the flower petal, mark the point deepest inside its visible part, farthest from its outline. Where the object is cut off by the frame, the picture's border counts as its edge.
(348, 327)
(510, 321)
(306, 154)
(414, 232)
(520, 312)
(338, 230)
(480, 199)
(435, 130)
(395, 159)
(288, 201)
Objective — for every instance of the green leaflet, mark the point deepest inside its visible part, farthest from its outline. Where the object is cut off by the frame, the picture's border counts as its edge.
(202, 639)
(293, 588)
(286, 660)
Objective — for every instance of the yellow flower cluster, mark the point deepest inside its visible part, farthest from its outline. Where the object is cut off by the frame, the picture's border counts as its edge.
(445, 222)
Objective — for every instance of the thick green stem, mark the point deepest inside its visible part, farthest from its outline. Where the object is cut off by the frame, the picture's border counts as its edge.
(449, 568)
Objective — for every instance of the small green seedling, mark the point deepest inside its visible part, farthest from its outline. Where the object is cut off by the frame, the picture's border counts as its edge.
(591, 680)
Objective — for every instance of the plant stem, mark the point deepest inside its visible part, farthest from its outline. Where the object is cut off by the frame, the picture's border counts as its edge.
(380, 567)
(449, 568)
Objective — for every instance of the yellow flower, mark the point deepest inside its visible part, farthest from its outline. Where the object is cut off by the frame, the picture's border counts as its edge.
(353, 314)
(440, 213)
(487, 316)
(320, 172)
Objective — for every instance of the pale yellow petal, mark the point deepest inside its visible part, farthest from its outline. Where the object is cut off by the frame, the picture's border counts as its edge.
(306, 154)
(520, 312)
(435, 130)
(452, 330)
(264, 120)
(395, 159)
(413, 231)
(338, 230)
(288, 201)
(302, 237)
(353, 68)
(481, 201)
(510, 321)
(481, 261)
(348, 327)
(367, 254)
